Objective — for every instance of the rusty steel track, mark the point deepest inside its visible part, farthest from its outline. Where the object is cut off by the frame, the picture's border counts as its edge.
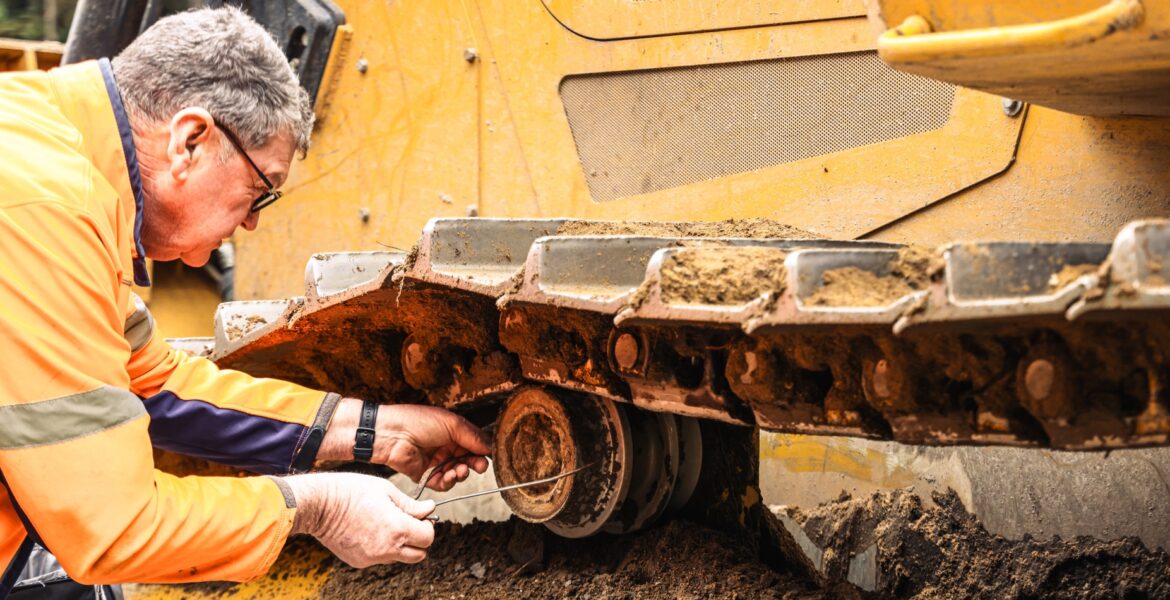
(1058, 345)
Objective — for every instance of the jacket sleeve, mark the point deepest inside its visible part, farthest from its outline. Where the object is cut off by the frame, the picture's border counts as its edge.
(197, 409)
(74, 446)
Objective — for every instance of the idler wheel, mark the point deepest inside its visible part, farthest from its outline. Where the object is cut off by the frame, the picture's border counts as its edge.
(655, 465)
(690, 458)
(541, 434)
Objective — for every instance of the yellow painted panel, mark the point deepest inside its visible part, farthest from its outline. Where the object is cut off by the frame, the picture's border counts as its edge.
(1108, 58)
(617, 19)
(813, 454)
(427, 133)
(957, 15)
(399, 141)
(182, 301)
(821, 194)
(298, 574)
(1074, 178)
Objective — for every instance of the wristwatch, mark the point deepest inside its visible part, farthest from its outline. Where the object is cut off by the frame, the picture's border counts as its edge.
(363, 441)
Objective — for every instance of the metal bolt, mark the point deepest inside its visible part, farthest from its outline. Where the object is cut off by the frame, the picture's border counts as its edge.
(881, 379)
(1039, 377)
(513, 318)
(472, 210)
(1011, 107)
(364, 214)
(625, 351)
(413, 357)
(470, 55)
(362, 66)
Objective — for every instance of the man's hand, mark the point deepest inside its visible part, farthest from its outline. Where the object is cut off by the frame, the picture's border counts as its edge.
(410, 439)
(364, 520)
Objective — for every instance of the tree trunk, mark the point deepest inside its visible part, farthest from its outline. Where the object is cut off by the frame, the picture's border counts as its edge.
(51, 32)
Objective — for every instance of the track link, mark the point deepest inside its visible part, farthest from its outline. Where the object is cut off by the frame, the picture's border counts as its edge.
(1057, 345)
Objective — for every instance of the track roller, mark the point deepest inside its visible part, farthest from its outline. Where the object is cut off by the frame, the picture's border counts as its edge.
(644, 463)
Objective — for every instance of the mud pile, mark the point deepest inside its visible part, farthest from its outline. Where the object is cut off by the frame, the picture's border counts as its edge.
(851, 286)
(734, 277)
(922, 551)
(516, 559)
(1068, 274)
(944, 552)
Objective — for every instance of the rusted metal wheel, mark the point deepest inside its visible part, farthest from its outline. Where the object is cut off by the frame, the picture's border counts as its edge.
(541, 433)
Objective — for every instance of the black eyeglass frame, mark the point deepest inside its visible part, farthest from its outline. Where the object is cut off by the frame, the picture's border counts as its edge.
(266, 198)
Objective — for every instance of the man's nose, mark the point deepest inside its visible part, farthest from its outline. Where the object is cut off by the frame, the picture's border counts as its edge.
(252, 221)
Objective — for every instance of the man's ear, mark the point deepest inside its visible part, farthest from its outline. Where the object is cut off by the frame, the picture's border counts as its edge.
(190, 134)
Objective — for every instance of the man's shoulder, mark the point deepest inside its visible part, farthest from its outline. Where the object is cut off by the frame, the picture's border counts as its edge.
(42, 153)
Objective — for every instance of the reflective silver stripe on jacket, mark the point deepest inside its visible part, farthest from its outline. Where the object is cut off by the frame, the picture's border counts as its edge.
(67, 417)
(139, 325)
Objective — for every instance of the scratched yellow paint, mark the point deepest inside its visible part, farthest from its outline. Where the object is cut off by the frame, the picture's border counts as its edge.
(295, 576)
(812, 454)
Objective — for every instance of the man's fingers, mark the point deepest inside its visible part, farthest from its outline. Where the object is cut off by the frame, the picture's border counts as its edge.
(420, 533)
(467, 435)
(479, 464)
(418, 509)
(411, 555)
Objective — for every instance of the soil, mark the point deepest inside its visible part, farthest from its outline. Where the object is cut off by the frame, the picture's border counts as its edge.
(928, 551)
(711, 276)
(516, 559)
(851, 286)
(733, 228)
(1069, 274)
(944, 552)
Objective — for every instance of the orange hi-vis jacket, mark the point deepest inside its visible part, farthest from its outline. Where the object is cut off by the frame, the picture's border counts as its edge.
(85, 387)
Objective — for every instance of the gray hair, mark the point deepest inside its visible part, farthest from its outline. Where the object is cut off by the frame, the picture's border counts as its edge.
(220, 60)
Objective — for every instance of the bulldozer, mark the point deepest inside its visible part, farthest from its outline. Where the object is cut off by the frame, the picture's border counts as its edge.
(652, 230)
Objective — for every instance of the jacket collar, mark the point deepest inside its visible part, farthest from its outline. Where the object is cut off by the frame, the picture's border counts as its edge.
(141, 276)
(89, 99)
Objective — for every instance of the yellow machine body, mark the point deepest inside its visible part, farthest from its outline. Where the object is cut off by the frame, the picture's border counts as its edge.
(697, 110)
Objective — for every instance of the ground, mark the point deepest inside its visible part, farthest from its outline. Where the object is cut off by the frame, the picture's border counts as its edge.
(924, 550)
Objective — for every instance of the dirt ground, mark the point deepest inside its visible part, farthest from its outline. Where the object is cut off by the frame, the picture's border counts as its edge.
(927, 552)
(943, 551)
(515, 559)
(923, 551)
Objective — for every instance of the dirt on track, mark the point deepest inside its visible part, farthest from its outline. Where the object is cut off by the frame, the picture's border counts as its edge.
(731, 228)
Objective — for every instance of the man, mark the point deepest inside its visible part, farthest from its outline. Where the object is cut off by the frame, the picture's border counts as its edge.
(163, 154)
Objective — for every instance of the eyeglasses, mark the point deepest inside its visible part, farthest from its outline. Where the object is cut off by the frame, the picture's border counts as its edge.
(265, 198)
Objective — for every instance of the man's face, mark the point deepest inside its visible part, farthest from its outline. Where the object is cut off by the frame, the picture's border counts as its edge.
(197, 198)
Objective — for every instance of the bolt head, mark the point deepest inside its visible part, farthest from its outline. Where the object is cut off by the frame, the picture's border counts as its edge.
(626, 351)
(1011, 107)
(881, 379)
(470, 55)
(1039, 377)
(362, 66)
(413, 357)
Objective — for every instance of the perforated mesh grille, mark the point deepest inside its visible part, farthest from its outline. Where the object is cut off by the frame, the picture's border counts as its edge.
(643, 131)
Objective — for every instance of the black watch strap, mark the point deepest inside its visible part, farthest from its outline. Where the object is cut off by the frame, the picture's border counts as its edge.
(363, 441)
